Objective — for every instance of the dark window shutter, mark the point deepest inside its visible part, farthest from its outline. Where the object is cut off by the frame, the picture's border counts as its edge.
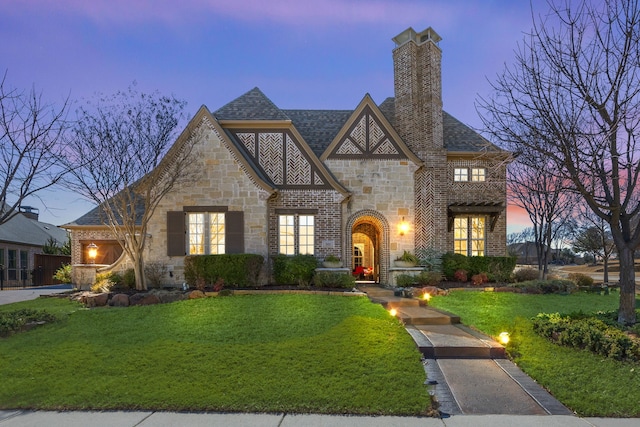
(176, 245)
(234, 232)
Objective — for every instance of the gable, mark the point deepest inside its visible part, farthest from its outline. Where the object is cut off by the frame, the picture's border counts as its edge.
(368, 135)
(281, 156)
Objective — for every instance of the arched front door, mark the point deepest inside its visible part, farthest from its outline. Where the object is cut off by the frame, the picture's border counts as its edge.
(368, 240)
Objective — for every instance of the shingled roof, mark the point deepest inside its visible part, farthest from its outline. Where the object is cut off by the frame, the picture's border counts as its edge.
(319, 127)
(253, 105)
(26, 231)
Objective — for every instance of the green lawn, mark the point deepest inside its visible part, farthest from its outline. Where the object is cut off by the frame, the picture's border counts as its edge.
(589, 384)
(257, 353)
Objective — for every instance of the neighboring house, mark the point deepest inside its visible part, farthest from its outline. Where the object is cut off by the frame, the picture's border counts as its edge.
(525, 252)
(21, 241)
(363, 184)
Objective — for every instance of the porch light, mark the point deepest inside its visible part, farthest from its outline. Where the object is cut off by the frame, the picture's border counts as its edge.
(503, 338)
(403, 227)
(92, 252)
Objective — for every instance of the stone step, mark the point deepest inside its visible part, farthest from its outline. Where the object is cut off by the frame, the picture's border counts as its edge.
(416, 315)
(454, 342)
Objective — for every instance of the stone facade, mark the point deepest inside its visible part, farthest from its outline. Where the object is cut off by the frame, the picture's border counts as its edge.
(360, 174)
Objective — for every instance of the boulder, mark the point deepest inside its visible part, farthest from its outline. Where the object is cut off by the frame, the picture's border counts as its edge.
(119, 300)
(96, 300)
(170, 296)
(144, 299)
(196, 294)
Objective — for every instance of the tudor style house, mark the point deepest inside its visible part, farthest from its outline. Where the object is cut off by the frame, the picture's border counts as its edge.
(363, 184)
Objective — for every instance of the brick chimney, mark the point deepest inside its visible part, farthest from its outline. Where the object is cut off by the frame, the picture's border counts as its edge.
(417, 63)
(30, 212)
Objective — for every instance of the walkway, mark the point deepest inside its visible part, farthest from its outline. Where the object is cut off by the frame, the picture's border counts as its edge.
(468, 371)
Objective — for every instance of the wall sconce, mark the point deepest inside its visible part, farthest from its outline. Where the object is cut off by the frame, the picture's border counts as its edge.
(92, 252)
(403, 227)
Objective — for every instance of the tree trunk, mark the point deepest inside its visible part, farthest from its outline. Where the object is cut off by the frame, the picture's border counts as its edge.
(138, 269)
(627, 311)
(606, 269)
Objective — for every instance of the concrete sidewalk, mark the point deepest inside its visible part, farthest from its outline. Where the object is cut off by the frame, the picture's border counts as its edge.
(171, 419)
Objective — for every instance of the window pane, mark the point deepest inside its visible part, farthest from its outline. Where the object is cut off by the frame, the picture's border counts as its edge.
(216, 233)
(12, 272)
(460, 228)
(306, 234)
(460, 174)
(286, 234)
(477, 236)
(196, 233)
(477, 228)
(478, 174)
(460, 232)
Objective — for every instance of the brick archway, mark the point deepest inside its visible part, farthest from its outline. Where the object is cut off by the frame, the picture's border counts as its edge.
(376, 226)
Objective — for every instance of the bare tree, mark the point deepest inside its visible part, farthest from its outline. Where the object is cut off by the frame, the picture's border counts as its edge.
(124, 161)
(595, 238)
(542, 195)
(30, 146)
(575, 85)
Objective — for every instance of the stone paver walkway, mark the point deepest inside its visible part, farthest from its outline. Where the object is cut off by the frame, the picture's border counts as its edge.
(468, 371)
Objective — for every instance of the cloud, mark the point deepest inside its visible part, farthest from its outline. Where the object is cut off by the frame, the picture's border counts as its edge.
(286, 12)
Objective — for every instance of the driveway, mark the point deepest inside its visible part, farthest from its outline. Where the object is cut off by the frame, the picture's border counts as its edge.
(17, 295)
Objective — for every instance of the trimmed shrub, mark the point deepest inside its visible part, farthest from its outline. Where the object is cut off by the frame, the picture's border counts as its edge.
(497, 269)
(453, 262)
(294, 269)
(425, 278)
(559, 286)
(428, 278)
(236, 270)
(460, 275)
(129, 279)
(581, 280)
(587, 333)
(331, 279)
(406, 280)
(479, 279)
(526, 274)
(13, 321)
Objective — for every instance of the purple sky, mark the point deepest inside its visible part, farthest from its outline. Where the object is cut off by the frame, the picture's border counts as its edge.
(320, 54)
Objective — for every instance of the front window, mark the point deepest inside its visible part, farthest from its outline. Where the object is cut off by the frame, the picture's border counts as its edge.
(296, 234)
(206, 233)
(469, 236)
(461, 174)
(478, 174)
(12, 265)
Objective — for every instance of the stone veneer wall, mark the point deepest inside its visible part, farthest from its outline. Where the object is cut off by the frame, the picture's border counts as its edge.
(220, 181)
(383, 186)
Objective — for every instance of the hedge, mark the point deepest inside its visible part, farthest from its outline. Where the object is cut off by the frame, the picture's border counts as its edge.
(588, 333)
(497, 268)
(294, 269)
(236, 270)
